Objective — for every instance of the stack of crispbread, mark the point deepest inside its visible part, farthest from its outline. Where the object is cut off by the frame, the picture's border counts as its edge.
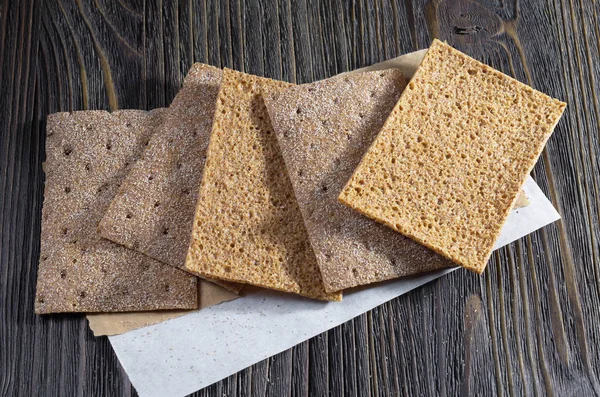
(248, 227)
(323, 131)
(248, 180)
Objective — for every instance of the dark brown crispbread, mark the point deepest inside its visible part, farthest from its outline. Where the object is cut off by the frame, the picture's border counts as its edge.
(88, 154)
(449, 162)
(154, 209)
(323, 129)
(248, 226)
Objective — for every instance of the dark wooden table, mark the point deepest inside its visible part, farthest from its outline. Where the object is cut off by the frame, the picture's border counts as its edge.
(529, 326)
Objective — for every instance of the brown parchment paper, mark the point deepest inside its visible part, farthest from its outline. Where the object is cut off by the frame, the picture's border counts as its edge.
(119, 323)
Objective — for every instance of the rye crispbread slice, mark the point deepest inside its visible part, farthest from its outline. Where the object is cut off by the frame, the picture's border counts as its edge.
(153, 211)
(248, 227)
(450, 161)
(323, 130)
(87, 156)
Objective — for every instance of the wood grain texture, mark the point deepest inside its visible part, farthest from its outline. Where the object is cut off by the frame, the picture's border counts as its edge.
(528, 326)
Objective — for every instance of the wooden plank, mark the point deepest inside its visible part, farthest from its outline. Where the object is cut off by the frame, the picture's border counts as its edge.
(335, 368)
(173, 75)
(154, 63)
(280, 375)
(260, 377)
(349, 367)
(302, 42)
(318, 374)
(254, 52)
(364, 373)
(300, 368)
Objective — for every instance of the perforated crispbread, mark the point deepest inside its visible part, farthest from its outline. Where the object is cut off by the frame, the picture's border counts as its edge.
(323, 130)
(248, 226)
(154, 209)
(449, 162)
(87, 156)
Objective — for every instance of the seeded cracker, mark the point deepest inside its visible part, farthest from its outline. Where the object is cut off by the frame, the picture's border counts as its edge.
(153, 211)
(449, 162)
(248, 226)
(323, 129)
(88, 154)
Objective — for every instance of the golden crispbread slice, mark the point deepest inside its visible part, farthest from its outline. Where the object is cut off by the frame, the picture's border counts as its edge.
(153, 211)
(248, 227)
(450, 160)
(323, 130)
(87, 156)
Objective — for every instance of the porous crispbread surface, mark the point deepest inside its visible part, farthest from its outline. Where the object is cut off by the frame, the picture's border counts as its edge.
(323, 130)
(87, 156)
(450, 160)
(153, 211)
(248, 227)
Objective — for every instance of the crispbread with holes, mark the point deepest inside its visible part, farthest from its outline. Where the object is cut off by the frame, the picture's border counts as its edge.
(87, 156)
(323, 130)
(154, 209)
(450, 161)
(248, 227)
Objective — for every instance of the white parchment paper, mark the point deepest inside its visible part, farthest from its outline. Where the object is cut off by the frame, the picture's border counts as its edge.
(185, 354)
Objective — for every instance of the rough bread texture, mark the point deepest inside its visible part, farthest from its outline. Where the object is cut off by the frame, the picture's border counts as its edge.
(87, 156)
(450, 160)
(323, 130)
(248, 227)
(408, 65)
(153, 211)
